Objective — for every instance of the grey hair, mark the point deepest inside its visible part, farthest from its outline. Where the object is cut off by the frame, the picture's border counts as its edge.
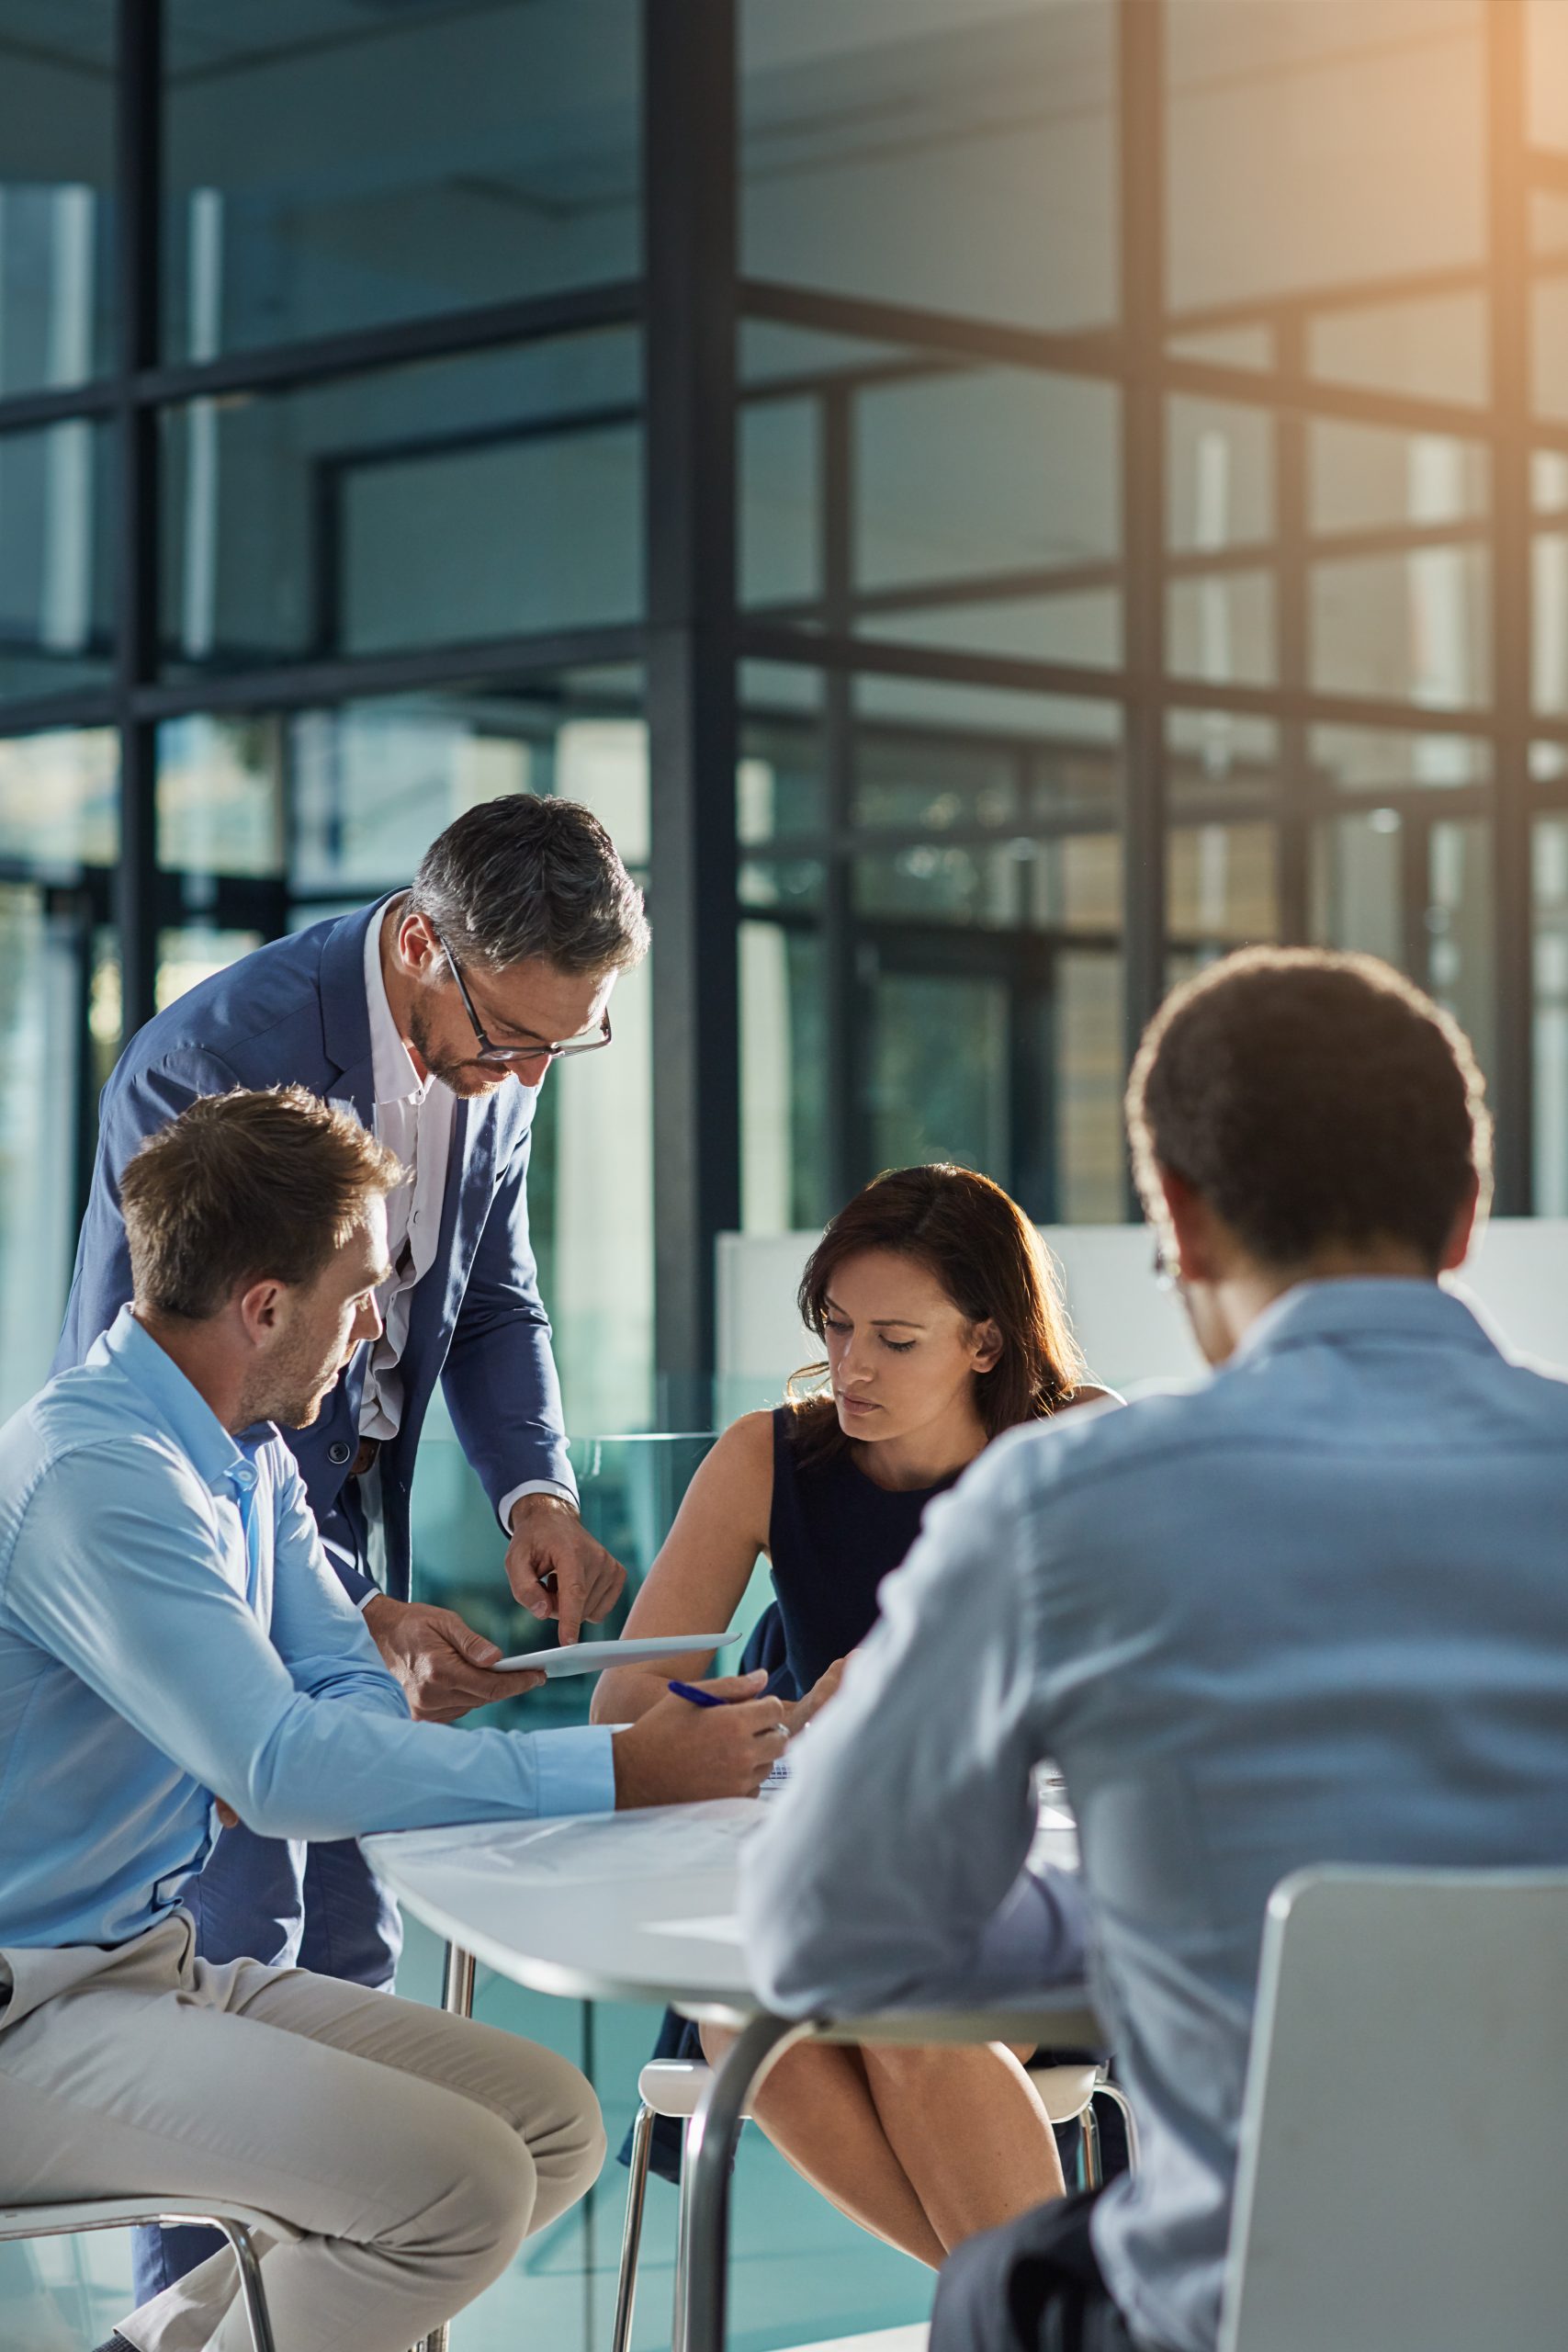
(526, 876)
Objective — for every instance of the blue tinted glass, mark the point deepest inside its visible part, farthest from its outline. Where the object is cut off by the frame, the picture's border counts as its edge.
(341, 164)
(56, 155)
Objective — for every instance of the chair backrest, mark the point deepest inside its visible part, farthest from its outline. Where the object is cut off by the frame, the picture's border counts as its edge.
(1402, 2183)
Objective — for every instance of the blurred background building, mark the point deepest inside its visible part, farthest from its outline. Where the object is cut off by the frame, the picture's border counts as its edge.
(993, 501)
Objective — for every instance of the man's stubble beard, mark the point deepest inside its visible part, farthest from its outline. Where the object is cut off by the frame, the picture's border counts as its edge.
(462, 1079)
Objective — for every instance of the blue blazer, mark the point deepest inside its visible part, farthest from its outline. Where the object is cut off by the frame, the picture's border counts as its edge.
(295, 1011)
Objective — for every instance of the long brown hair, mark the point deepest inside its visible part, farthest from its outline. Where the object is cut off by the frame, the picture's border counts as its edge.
(992, 1264)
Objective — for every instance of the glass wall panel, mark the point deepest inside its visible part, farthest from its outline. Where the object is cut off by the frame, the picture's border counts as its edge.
(936, 1086)
(1545, 34)
(1458, 921)
(59, 798)
(1390, 759)
(55, 614)
(1362, 477)
(331, 167)
(911, 151)
(1220, 629)
(443, 504)
(779, 518)
(1548, 303)
(1220, 757)
(1549, 1039)
(44, 966)
(1434, 345)
(1358, 883)
(942, 756)
(783, 1112)
(1219, 475)
(1317, 144)
(1090, 1151)
(220, 796)
(56, 216)
(975, 492)
(1409, 629)
(1222, 885)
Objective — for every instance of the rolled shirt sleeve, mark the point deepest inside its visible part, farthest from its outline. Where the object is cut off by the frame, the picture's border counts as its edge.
(118, 1570)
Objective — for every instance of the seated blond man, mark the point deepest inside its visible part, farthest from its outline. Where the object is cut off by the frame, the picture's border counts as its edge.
(174, 1650)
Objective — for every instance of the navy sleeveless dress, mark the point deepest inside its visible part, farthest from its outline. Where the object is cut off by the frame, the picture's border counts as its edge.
(832, 1536)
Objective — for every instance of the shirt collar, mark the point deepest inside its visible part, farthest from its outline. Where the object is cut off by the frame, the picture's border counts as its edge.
(396, 1079)
(1382, 1308)
(184, 1411)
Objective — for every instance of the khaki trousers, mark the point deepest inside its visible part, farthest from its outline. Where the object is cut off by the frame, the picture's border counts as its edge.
(411, 2151)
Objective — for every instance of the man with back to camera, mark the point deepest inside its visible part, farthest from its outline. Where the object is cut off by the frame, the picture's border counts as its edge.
(174, 1644)
(1172, 1600)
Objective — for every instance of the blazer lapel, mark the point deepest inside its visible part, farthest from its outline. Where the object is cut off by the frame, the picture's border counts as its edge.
(346, 1013)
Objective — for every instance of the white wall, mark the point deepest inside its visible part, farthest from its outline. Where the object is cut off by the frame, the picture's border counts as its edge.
(1131, 1330)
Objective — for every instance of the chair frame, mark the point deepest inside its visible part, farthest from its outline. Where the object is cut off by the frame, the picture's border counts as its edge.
(642, 2145)
(72, 2218)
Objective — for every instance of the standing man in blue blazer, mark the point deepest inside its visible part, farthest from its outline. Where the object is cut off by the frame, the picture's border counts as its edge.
(435, 1015)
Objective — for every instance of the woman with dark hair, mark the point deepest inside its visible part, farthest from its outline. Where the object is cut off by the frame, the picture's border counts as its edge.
(942, 1326)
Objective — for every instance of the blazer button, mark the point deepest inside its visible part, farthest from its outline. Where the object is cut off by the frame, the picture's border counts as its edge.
(340, 1451)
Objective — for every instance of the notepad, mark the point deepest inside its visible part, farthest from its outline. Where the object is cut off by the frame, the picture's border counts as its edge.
(592, 1658)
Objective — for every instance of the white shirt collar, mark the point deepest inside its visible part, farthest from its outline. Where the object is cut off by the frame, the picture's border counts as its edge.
(397, 1081)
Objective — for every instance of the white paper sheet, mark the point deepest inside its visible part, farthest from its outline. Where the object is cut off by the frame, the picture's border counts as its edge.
(592, 1658)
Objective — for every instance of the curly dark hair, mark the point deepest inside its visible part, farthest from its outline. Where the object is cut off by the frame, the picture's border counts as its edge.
(988, 1258)
(1310, 1099)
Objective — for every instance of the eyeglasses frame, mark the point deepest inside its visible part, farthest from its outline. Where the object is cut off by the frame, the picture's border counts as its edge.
(505, 1056)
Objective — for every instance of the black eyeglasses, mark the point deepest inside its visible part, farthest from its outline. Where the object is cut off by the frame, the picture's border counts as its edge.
(511, 1058)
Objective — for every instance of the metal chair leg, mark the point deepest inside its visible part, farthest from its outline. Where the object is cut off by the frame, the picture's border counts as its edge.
(1089, 2141)
(457, 1998)
(251, 2294)
(631, 2236)
(1119, 2100)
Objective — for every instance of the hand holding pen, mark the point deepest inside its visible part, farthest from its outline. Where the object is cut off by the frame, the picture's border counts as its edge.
(719, 1737)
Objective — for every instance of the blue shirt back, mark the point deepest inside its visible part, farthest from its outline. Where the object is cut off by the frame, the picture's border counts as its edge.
(1315, 1609)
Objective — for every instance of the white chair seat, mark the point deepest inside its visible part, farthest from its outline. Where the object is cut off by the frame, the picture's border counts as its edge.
(1064, 2091)
(674, 2085)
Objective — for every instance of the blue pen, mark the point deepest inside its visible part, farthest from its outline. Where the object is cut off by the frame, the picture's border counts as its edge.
(697, 1698)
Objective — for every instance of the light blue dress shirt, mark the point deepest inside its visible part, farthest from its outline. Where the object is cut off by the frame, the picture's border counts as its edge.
(1314, 1609)
(170, 1631)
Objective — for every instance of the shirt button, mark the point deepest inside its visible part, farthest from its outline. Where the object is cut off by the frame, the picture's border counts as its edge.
(340, 1451)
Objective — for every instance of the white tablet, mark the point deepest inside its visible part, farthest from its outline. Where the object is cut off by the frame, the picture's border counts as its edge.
(592, 1658)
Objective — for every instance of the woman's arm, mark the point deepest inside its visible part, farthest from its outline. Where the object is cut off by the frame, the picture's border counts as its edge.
(703, 1567)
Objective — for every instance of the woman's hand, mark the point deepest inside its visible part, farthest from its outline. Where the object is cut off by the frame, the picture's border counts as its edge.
(797, 1717)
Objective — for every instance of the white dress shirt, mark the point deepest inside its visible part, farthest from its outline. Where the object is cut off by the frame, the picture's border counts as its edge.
(413, 1118)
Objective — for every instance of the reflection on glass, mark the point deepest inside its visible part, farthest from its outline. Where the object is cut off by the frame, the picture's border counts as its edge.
(1546, 71)
(779, 788)
(1548, 303)
(220, 796)
(1357, 889)
(912, 155)
(42, 990)
(1355, 130)
(1223, 755)
(450, 502)
(1091, 1152)
(1222, 883)
(936, 1080)
(1549, 614)
(983, 475)
(1432, 346)
(938, 882)
(794, 883)
(1077, 883)
(371, 784)
(1407, 629)
(1081, 626)
(1459, 928)
(783, 1159)
(56, 223)
(1549, 875)
(779, 517)
(59, 804)
(1061, 752)
(1374, 759)
(196, 953)
(1219, 475)
(54, 569)
(328, 167)
(1220, 629)
(1361, 476)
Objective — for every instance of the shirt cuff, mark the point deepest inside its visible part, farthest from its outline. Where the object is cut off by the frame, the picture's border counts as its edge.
(575, 1769)
(533, 1487)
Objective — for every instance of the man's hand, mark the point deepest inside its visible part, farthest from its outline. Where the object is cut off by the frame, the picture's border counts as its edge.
(677, 1753)
(797, 1717)
(556, 1569)
(440, 1662)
